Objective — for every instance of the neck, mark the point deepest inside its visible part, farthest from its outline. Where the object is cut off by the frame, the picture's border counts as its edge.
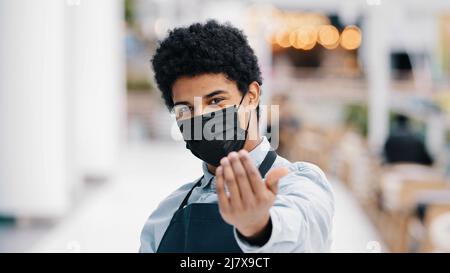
(250, 144)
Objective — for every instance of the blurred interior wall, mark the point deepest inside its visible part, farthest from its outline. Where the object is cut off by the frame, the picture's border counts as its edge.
(378, 79)
(33, 157)
(61, 100)
(96, 84)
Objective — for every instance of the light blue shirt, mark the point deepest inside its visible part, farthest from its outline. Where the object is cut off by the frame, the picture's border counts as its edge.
(301, 215)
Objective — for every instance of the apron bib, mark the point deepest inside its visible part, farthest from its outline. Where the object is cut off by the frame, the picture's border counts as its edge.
(199, 227)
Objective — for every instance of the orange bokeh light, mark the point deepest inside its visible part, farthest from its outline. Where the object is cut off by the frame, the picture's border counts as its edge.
(328, 36)
(351, 38)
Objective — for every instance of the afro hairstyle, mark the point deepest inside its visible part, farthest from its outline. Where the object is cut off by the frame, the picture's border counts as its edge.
(203, 48)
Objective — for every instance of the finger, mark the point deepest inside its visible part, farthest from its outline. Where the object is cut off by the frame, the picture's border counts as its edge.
(235, 198)
(241, 178)
(274, 176)
(221, 193)
(253, 174)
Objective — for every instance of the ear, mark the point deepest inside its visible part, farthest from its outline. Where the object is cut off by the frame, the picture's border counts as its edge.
(254, 92)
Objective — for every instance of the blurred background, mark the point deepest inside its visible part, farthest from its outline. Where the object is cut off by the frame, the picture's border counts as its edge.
(88, 149)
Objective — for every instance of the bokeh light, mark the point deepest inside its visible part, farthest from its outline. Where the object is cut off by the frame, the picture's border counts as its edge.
(351, 38)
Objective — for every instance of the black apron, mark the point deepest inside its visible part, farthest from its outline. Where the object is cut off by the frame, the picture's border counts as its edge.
(199, 227)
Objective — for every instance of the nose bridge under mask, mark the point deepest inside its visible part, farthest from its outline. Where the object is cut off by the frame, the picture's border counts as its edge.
(213, 125)
(213, 135)
(223, 127)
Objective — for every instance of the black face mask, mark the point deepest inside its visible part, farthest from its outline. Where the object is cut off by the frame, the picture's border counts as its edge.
(213, 135)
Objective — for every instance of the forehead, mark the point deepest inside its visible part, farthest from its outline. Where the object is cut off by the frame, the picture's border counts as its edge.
(186, 88)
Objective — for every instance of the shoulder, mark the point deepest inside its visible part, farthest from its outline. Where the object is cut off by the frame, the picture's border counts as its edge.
(175, 197)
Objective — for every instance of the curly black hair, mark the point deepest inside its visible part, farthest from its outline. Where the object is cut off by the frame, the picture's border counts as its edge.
(205, 48)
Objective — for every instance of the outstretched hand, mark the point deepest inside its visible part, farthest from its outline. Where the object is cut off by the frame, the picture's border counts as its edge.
(247, 205)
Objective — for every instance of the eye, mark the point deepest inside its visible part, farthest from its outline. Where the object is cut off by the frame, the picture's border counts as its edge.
(216, 100)
(182, 111)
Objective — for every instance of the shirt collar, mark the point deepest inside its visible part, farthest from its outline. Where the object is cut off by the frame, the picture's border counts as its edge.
(257, 155)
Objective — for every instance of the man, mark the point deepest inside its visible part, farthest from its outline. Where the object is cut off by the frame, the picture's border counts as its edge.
(248, 199)
(404, 145)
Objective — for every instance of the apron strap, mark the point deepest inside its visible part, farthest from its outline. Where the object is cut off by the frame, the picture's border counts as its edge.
(265, 166)
(185, 200)
(267, 163)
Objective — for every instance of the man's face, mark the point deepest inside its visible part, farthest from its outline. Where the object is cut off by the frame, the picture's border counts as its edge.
(193, 96)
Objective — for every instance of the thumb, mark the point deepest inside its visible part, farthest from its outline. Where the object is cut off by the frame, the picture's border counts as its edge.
(273, 176)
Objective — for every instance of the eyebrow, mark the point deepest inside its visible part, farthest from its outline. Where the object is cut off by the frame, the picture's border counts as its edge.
(213, 93)
(207, 96)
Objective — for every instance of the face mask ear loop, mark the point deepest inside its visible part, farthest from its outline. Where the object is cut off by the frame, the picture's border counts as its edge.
(248, 123)
(246, 129)
(242, 99)
(249, 118)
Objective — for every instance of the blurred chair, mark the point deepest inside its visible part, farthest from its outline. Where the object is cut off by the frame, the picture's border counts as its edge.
(437, 224)
(401, 191)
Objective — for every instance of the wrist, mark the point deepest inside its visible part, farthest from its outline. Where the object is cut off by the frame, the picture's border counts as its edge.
(256, 229)
(258, 238)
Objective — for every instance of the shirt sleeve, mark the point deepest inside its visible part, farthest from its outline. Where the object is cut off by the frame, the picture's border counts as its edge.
(147, 239)
(302, 213)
